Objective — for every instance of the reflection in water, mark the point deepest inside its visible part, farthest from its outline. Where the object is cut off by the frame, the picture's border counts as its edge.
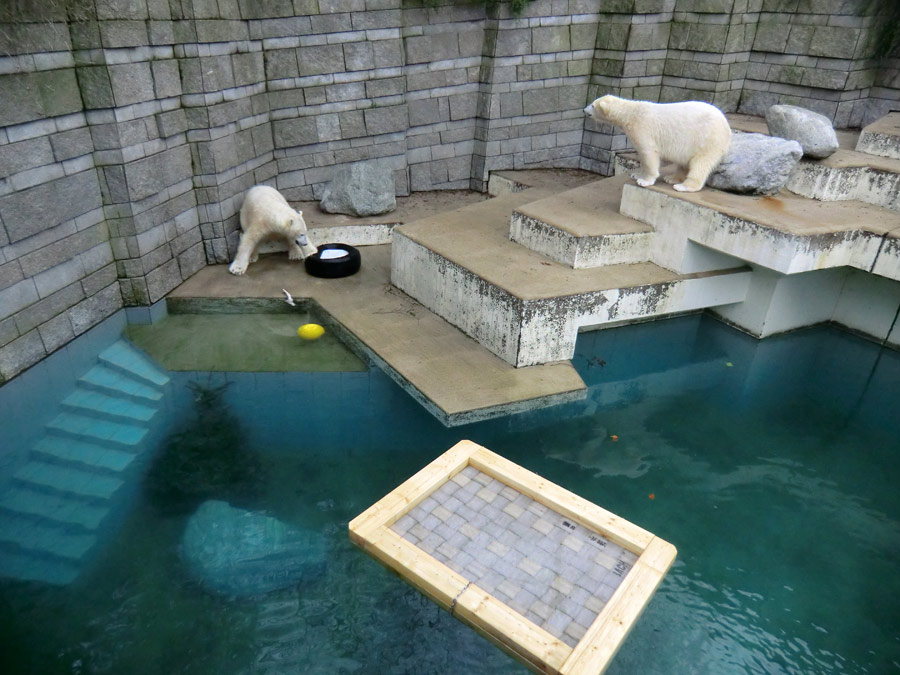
(206, 458)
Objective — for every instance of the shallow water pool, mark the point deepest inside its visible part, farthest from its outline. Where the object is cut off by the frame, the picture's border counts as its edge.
(772, 466)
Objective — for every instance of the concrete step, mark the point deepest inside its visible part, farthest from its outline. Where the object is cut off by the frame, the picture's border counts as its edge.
(853, 172)
(117, 409)
(582, 227)
(786, 233)
(93, 430)
(116, 383)
(67, 481)
(34, 537)
(123, 357)
(849, 175)
(523, 307)
(88, 456)
(845, 176)
(503, 182)
(18, 564)
(882, 137)
(23, 502)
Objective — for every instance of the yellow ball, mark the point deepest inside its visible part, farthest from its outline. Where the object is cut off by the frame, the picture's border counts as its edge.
(310, 331)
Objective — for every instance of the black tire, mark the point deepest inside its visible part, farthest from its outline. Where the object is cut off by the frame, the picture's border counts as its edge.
(333, 268)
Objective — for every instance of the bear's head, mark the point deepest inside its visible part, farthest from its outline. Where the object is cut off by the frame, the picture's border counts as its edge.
(296, 228)
(601, 109)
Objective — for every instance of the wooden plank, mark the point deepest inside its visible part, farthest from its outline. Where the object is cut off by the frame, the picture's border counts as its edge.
(393, 505)
(506, 627)
(429, 576)
(625, 534)
(593, 654)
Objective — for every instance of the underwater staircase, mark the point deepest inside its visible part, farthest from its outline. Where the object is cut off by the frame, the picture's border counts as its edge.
(62, 500)
(524, 272)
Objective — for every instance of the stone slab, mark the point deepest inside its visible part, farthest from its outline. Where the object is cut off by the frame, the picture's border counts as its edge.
(457, 379)
(882, 137)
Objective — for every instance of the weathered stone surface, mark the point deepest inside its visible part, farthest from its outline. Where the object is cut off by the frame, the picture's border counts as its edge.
(30, 211)
(244, 553)
(361, 189)
(811, 130)
(152, 174)
(756, 164)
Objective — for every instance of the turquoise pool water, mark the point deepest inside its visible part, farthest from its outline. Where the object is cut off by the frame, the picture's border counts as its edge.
(773, 467)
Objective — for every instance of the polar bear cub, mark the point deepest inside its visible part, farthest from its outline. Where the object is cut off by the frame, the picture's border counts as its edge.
(692, 134)
(265, 214)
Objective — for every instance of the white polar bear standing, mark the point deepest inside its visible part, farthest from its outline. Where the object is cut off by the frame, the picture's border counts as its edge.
(265, 214)
(692, 134)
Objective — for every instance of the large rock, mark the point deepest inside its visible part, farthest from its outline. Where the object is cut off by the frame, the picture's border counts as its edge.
(812, 131)
(361, 189)
(756, 164)
(244, 553)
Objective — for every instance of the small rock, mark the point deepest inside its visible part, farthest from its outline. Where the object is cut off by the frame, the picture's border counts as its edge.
(361, 189)
(812, 131)
(244, 553)
(756, 164)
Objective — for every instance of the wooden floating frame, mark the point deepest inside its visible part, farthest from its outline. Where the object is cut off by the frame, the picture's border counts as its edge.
(504, 626)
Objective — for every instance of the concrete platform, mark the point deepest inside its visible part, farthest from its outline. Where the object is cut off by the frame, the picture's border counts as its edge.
(373, 230)
(520, 305)
(449, 373)
(786, 233)
(882, 137)
(582, 227)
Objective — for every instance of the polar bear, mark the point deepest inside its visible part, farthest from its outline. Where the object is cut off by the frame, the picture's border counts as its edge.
(265, 214)
(692, 134)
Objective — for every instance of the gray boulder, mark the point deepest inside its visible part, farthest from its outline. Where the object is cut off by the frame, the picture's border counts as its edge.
(756, 164)
(812, 131)
(244, 553)
(361, 189)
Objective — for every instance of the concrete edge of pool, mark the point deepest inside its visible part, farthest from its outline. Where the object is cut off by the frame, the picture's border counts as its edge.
(449, 373)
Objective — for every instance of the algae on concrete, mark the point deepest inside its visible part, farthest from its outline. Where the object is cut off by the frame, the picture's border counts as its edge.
(242, 343)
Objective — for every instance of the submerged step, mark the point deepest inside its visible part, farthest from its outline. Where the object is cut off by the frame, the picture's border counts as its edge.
(91, 429)
(67, 480)
(17, 564)
(65, 510)
(88, 455)
(33, 537)
(122, 356)
(582, 227)
(115, 382)
(116, 408)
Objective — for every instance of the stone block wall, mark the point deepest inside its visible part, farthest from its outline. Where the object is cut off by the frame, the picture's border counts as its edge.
(130, 129)
(819, 54)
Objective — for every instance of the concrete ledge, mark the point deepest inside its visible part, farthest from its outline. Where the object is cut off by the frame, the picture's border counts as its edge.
(786, 233)
(520, 306)
(582, 227)
(451, 375)
(882, 137)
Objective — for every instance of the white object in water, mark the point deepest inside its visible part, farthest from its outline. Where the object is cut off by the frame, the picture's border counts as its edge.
(288, 299)
(333, 254)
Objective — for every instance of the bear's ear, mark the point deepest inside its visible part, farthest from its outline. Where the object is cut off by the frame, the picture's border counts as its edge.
(300, 213)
